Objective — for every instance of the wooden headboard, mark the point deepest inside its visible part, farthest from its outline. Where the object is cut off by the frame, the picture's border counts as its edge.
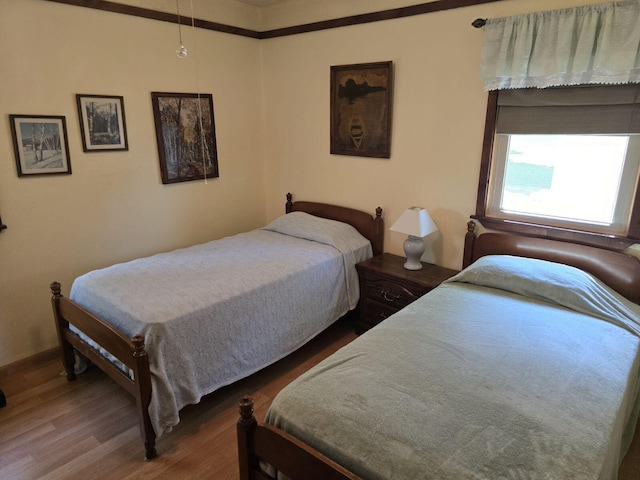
(618, 270)
(369, 226)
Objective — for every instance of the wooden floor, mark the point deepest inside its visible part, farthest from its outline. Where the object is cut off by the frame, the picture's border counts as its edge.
(87, 429)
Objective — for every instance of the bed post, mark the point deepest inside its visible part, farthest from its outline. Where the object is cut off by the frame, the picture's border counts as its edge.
(246, 428)
(66, 349)
(378, 226)
(289, 205)
(143, 396)
(469, 240)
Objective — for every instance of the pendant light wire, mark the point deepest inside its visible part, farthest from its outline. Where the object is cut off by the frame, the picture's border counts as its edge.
(182, 51)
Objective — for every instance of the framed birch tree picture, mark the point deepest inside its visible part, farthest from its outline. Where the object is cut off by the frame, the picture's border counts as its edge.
(40, 144)
(102, 123)
(186, 136)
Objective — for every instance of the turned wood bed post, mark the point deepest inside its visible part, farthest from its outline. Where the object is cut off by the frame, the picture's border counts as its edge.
(378, 226)
(143, 396)
(68, 358)
(246, 427)
(469, 240)
(289, 205)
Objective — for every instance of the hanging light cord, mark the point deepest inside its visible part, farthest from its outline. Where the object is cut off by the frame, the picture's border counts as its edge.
(195, 58)
(181, 52)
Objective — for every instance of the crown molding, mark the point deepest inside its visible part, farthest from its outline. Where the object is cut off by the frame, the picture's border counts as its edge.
(421, 9)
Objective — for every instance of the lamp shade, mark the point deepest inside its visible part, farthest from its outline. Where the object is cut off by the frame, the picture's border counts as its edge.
(416, 222)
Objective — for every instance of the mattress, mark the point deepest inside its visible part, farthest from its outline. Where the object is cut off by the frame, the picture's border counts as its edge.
(515, 368)
(217, 312)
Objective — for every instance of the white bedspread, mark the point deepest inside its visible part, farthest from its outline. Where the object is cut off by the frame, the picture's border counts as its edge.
(504, 372)
(217, 312)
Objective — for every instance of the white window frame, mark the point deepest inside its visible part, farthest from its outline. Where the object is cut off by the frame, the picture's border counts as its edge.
(624, 203)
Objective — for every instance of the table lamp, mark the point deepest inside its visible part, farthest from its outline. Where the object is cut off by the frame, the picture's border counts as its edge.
(417, 223)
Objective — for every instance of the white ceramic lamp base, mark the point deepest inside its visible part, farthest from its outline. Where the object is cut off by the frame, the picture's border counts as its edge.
(413, 249)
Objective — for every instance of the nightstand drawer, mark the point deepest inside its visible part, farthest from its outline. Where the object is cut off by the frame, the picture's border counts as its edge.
(377, 312)
(391, 294)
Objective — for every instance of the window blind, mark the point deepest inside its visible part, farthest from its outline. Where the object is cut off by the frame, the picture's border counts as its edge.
(610, 109)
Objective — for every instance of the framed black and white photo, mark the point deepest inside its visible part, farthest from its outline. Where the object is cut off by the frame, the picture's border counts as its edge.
(102, 123)
(40, 144)
(186, 136)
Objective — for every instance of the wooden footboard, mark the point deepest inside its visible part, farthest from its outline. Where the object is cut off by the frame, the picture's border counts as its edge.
(298, 461)
(131, 352)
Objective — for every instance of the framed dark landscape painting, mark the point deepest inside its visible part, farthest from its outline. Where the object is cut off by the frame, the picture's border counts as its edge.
(40, 144)
(361, 97)
(186, 136)
(102, 123)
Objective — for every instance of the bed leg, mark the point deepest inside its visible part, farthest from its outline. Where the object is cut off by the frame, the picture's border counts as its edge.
(246, 427)
(66, 349)
(150, 451)
(143, 396)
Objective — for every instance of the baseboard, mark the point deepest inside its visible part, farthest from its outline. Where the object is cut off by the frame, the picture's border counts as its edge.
(29, 362)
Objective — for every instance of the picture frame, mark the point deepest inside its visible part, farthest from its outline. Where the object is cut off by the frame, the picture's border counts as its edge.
(102, 122)
(186, 136)
(40, 144)
(360, 108)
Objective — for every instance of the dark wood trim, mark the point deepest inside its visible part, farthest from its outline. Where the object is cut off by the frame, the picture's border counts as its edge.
(634, 221)
(487, 151)
(421, 9)
(157, 15)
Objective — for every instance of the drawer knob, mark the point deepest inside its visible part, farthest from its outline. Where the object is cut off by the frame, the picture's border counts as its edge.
(390, 297)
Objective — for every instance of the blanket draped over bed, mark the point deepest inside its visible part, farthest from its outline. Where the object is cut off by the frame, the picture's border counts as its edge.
(194, 306)
(514, 369)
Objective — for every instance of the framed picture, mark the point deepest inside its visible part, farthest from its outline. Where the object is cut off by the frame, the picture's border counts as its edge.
(40, 144)
(102, 123)
(186, 136)
(361, 109)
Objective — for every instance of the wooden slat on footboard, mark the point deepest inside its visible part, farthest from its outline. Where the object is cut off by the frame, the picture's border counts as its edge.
(131, 352)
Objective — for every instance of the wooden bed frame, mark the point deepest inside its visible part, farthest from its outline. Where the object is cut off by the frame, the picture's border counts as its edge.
(131, 351)
(262, 442)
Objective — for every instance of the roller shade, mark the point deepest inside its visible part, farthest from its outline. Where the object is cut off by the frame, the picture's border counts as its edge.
(570, 110)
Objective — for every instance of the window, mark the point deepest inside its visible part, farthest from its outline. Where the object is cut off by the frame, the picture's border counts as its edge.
(563, 162)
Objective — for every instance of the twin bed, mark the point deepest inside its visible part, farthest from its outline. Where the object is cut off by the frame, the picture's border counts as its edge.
(524, 365)
(173, 327)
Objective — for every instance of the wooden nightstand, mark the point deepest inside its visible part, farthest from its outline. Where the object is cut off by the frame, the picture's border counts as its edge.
(386, 287)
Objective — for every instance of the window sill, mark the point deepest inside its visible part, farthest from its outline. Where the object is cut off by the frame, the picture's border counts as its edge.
(610, 242)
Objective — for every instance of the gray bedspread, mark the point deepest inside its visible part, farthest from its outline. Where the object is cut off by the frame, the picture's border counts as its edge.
(514, 369)
(217, 312)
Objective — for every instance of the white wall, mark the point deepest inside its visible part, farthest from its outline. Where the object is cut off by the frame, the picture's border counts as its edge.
(113, 207)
